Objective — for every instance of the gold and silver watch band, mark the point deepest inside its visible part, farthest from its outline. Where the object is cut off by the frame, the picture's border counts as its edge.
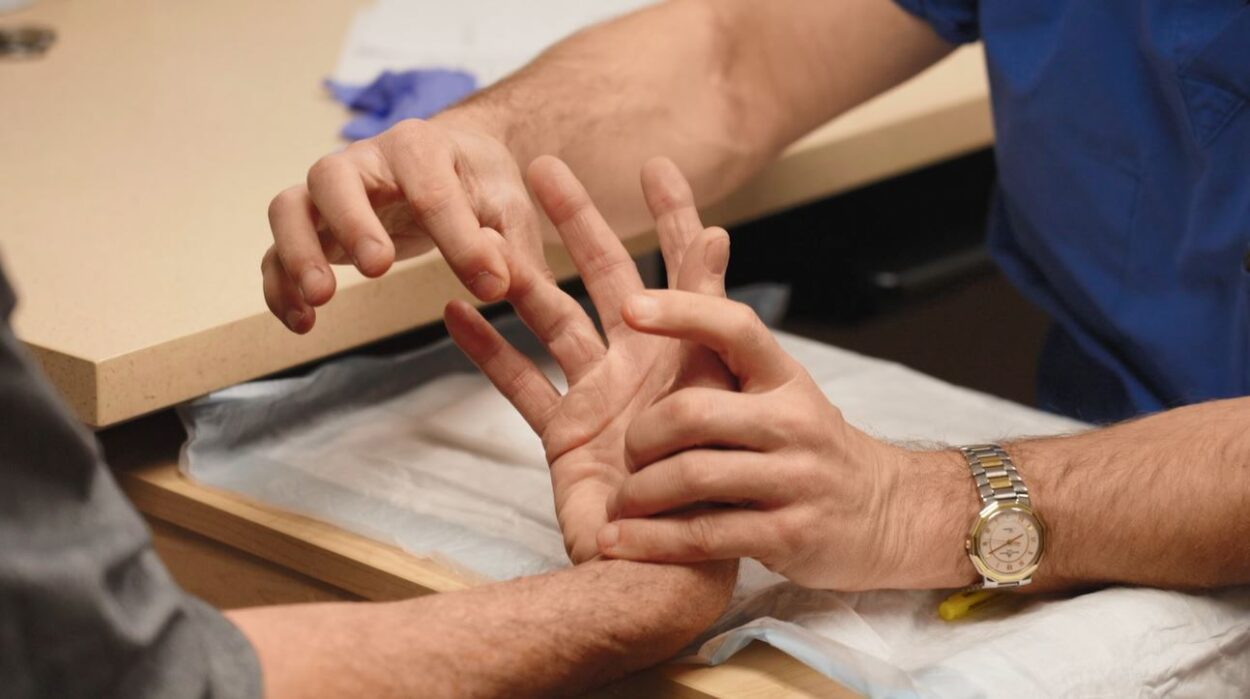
(995, 475)
(999, 484)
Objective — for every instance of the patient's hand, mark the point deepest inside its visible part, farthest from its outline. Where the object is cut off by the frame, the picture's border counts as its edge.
(583, 431)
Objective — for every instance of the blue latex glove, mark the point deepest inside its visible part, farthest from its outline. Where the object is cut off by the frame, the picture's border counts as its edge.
(392, 97)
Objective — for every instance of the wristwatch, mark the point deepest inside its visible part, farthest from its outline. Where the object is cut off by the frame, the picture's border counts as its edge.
(1007, 538)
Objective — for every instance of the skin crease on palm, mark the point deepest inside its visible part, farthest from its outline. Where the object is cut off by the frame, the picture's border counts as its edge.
(613, 377)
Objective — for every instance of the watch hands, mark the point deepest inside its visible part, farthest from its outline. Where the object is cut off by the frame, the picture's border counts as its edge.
(1008, 542)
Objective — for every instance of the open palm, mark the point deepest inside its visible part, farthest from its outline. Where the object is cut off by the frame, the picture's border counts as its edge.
(583, 431)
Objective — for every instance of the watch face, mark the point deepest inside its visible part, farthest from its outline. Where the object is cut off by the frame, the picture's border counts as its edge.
(1009, 541)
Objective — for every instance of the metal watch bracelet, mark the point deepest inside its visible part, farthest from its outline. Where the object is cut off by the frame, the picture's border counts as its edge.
(995, 475)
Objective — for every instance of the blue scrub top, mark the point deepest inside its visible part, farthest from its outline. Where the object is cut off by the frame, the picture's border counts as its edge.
(1123, 201)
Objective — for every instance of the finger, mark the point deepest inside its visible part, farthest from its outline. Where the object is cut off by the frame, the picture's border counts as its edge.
(298, 246)
(703, 535)
(283, 297)
(425, 169)
(729, 328)
(671, 202)
(556, 319)
(516, 377)
(703, 272)
(701, 417)
(338, 192)
(706, 260)
(607, 270)
(694, 477)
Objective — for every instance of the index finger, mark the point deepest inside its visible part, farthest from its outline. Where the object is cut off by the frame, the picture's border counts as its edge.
(425, 171)
(688, 537)
(730, 329)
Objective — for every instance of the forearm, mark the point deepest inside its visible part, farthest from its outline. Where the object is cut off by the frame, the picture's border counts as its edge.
(719, 86)
(539, 636)
(1161, 501)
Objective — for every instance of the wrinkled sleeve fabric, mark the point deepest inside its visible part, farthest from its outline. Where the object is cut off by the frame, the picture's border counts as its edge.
(86, 607)
(955, 21)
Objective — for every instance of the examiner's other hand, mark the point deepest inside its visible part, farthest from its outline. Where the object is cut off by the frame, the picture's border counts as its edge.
(583, 431)
(781, 476)
(397, 195)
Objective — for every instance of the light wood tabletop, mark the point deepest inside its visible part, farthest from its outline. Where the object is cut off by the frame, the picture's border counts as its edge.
(137, 160)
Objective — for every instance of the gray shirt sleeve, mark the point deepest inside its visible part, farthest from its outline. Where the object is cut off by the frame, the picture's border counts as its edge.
(86, 607)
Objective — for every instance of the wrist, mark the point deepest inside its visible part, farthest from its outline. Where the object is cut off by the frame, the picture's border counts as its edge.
(481, 115)
(1045, 465)
(943, 505)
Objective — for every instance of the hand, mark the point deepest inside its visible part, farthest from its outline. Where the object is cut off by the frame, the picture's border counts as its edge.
(781, 477)
(394, 196)
(583, 431)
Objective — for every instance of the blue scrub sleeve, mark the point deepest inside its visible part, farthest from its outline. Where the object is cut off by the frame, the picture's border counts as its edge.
(955, 21)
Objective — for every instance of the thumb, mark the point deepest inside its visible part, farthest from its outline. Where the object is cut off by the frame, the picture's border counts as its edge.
(730, 329)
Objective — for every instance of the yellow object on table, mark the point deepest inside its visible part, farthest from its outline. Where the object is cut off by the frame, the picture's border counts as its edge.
(965, 602)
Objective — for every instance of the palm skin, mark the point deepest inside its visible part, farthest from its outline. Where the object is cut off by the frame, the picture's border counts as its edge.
(583, 431)
(585, 439)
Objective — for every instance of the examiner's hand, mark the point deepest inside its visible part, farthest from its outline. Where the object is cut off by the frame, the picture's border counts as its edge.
(583, 431)
(781, 476)
(394, 196)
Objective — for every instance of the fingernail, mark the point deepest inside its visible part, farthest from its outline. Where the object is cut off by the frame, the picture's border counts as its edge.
(487, 286)
(608, 536)
(716, 257)
(642, 307)
(293, 319)
(310, 280)
(367, 253)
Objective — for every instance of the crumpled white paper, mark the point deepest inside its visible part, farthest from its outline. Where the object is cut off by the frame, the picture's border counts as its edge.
(420, 451)
(489, 38)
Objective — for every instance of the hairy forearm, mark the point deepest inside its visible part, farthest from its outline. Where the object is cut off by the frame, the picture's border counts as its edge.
(720, 86)
(1162, 501)
(541, 636)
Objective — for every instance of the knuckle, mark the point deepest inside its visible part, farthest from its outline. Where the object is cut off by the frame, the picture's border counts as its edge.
(747, 323)
(267, 260)
(471, 255)
(686, 409)
(432, 197)
(693, 475)
(701, 536)
(518, 385)
(410, 133)
(284, 200)
(788, 532)
(835, 415)
(564, 203)
(789, 423)
(633, 448)
(325, 167)
(667, 200)
(357, 224)
(626, 497)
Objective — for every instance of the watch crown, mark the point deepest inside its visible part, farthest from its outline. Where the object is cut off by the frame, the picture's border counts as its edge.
(967, 543)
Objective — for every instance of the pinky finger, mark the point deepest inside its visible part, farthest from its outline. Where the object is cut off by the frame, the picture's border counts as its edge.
(690, 537)
(516, 377)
